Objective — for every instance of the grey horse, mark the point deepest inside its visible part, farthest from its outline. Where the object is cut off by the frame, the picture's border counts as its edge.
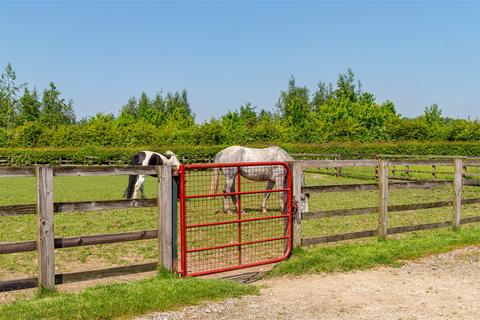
(274, 175)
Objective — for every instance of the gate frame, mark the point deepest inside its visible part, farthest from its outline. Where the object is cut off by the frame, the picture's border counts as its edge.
(183, 213)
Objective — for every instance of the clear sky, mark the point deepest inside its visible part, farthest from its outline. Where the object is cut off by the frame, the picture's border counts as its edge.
(225, 53)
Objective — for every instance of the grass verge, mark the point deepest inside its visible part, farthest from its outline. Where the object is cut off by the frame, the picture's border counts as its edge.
(123, 301)
(391, 252)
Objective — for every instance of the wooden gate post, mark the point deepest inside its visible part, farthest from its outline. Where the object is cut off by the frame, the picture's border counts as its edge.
(165, 215)
(297, 193)
(383, 198)
(45, 227)
(457, 186)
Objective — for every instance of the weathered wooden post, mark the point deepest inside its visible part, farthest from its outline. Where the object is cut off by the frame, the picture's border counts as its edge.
(383, 198)
(339, 169)
(297, 193)
(45, 227)
(457, 188)
(165, 215)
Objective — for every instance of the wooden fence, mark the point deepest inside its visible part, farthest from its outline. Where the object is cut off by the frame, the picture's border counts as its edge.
(46, 242)
(383, 185)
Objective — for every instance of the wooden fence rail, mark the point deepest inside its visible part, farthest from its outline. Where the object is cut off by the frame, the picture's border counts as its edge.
(79, 206)
(392, 208)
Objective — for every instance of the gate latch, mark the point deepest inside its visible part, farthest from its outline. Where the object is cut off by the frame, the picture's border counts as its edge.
(294, 207)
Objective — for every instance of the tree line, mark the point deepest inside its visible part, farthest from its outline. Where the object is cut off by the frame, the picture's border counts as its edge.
(340, 112)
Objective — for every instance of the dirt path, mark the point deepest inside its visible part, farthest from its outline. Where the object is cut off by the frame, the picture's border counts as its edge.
(438, 287)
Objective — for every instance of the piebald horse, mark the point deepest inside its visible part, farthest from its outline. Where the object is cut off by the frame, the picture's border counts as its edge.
(274, 175)
(147, 158)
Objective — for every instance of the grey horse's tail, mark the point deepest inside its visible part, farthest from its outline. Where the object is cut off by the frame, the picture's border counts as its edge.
(132, 180)
(214, 183)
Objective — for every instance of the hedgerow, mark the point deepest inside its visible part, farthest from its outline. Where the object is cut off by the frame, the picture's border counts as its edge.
(188, 154)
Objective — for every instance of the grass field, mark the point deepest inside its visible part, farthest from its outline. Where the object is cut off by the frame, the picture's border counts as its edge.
(21, 228)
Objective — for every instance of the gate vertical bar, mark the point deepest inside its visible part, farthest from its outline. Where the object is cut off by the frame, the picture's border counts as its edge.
(297, 193)
(457, 185)
(45, 227)
(175, 187)
(164, 204)
(239, 214)
(383, 199)
(183, 227)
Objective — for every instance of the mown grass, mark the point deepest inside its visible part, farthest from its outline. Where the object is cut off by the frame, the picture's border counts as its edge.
(390, 252)
(164, 292)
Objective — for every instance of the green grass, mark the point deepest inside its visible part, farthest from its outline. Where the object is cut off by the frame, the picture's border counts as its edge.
(124, 300)
(390, 252)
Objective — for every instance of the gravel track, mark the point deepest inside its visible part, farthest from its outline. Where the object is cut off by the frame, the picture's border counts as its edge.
(445, 286)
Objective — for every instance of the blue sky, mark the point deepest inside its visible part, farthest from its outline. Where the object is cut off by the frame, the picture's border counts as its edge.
(100, 53)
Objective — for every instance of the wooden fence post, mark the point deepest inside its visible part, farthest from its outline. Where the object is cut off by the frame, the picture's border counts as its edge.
(457, 186)
(339, 169)
(383, 198)
(45, 227)
(297, 193)
(165, 214)
(434, 171)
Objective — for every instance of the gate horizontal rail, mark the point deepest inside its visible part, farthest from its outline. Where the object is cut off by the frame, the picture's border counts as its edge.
(213, 195)
(236, 244)
(218, 223)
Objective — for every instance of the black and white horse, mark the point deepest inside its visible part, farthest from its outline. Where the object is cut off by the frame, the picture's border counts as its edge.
(274, 175)
(147, 158)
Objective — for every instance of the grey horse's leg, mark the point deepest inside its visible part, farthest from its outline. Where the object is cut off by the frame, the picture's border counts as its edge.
(229, 187)
(234, 197)
(270, 185)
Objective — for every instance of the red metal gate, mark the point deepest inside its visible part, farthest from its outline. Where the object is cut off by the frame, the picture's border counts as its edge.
(230, 228)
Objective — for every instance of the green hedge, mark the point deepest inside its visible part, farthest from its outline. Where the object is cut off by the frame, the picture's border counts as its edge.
(188, 154)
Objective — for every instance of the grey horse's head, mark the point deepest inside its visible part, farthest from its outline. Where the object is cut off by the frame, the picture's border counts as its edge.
(172, 159)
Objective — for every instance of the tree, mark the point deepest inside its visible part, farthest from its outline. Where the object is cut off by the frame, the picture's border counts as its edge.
(29, 107)
(433, 114)
(8, 97)
(55, 111)
(295, 109)
(130, 110)
(346, 88)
